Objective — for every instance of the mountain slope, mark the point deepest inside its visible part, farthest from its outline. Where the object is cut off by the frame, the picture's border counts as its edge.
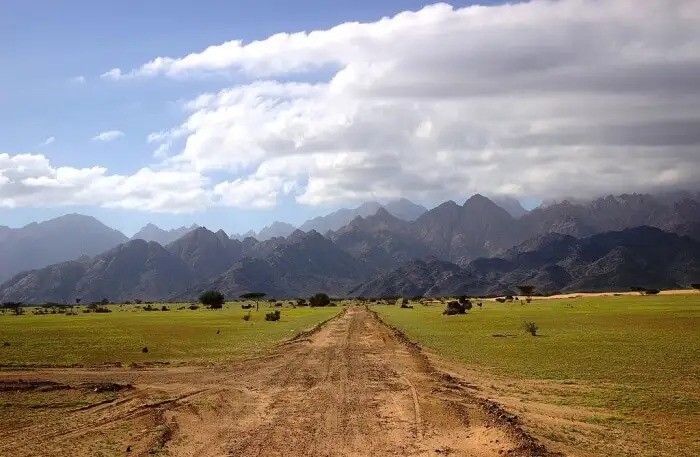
(306, 263)
(207, 253)
(151, 232)
(381, 240)
(641, 256)
(63, 238)
(460, 233)
(135, 269)
(274, 230)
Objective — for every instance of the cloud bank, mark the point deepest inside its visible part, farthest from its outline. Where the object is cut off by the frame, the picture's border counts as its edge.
(539, 99)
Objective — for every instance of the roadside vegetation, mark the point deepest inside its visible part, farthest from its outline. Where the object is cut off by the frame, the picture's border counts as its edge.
(626, 368)
(172, 332)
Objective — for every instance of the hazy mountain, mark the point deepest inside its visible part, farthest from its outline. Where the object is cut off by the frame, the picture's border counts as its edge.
(405, 209)
(460, 233)
(207, 253)
(275, 229)
(135, 269)
(511, 205)
(340, 218)
(63, 238)
(151, 232)
(381, 240)
(641, 256)
(243, 236)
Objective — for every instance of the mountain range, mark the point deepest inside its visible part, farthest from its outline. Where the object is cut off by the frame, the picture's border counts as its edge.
(477, 247)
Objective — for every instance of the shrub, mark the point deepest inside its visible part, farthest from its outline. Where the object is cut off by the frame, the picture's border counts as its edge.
(278, 305)
(501, 300)
(651, 291)
(193, 307)
(319, 299)
(164, 308)
(531, 328)
(246, 317)
(454, 307)
(696, 286)
(244, 306)
(302, 302)
(273, 316)
(212, 298)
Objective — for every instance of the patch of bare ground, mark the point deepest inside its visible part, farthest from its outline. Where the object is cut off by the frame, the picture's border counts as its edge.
(352, 387)
(546, 411)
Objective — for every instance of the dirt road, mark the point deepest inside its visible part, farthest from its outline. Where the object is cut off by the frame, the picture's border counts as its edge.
(353, 388)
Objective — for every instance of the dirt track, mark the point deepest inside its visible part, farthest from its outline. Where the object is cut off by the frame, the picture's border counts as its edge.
(352, 388)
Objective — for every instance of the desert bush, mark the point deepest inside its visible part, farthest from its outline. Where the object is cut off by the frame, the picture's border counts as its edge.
(454, 307)
(246, 317)
(193, 307)
(531, 328)
(212, 298)
(273, 316)
(164, 308)
(501, 300)
(651, 291)
(319, 299)
(279, 305)
(246, 306)
(696, 286)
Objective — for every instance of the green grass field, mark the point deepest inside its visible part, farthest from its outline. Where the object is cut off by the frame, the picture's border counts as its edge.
(635, 357)
(172, 336)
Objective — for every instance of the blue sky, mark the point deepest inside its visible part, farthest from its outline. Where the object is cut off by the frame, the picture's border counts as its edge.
(47, 46)
(482, 92)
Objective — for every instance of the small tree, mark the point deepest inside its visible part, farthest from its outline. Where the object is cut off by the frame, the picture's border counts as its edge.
(212, 298)
(531, 328)
(255, 296)
(527, 290)
(319, 299)
(14, 306)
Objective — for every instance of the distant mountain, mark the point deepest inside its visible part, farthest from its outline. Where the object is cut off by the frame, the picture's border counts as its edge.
(381, 240)
(618, 260)
(460, 233)
(415, 277)
(338, 219)
(275, 229)
(134, 270)
(243, 236)
(151, 232)
(474, 248)
(405, 209)
(207, 253)
(511, 205)
(302, 265)
(64, 238)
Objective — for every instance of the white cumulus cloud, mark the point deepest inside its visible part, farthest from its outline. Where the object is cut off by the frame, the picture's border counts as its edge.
(109, 135)
(31, 180)
(535, 99)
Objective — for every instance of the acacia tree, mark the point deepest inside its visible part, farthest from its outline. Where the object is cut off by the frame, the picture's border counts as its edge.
(255, 296)
(527, 290)
(319, 299)
(212, 298)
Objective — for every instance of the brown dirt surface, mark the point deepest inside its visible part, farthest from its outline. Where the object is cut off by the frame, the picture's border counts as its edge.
(354, 387)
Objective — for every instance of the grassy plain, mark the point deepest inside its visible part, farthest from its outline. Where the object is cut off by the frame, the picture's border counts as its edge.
(622, 372)
(199, 336)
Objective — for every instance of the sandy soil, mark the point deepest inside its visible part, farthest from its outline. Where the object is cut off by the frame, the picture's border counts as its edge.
(352, 388)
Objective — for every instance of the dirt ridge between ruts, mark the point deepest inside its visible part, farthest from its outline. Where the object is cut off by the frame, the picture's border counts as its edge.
(508, 422)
